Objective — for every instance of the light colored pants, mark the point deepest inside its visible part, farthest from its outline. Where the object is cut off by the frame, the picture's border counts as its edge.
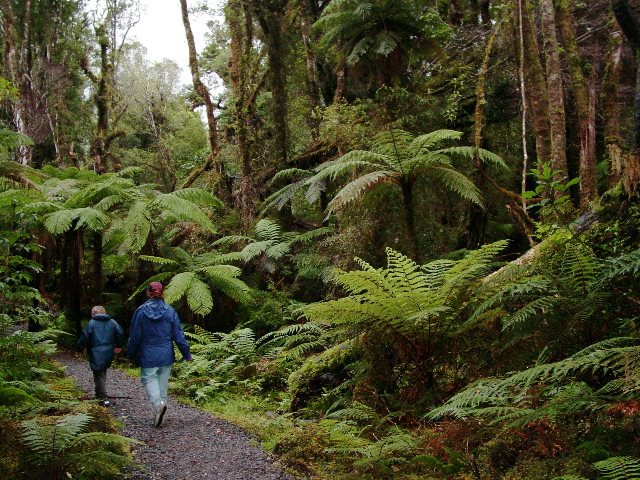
(156, 381)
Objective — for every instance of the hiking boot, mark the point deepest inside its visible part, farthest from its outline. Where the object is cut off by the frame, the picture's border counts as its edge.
(160, 411)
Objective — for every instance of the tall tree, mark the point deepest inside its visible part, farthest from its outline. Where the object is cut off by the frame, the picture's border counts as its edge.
(40, 49)
(247, 79)
(112, 23)
(630, 25)
(555, 88)
(534, 79)
(203, 92)
(270, 15)
(584, 98)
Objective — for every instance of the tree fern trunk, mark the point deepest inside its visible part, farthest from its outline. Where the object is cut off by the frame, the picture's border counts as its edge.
(407, 198)
(96, 241)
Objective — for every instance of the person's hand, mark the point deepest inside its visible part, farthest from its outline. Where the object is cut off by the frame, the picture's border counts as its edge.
(117, 350)
(190, 359)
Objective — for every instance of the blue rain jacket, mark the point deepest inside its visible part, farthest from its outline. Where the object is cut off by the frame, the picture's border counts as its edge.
(100, 336)
(154, 328)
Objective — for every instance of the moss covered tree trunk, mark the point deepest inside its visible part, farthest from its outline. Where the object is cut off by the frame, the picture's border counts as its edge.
(223, 188)
(313, 79)
(535, 86)
(271, 18)
(611, 107)
(555, 89)
(584, 98)
(246, 80)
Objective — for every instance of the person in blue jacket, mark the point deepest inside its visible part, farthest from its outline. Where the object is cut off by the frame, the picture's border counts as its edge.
(102, 337)
(154, 328)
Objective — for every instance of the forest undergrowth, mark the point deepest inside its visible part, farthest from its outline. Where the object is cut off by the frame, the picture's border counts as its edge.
(401, 235)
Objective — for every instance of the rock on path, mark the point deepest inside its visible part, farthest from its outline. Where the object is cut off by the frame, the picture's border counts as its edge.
(190, 444)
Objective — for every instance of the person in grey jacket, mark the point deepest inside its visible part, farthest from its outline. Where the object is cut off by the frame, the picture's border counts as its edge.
(154, 329)
(102, 337)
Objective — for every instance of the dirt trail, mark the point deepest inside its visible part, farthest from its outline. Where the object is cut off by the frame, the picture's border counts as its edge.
(190, 445)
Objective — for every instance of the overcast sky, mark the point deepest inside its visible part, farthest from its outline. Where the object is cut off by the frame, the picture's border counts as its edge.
(161, 31)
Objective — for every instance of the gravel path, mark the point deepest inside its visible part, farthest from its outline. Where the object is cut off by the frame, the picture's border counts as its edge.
(190, 444)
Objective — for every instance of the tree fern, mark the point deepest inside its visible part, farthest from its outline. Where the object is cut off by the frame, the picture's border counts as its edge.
(196, 278)
(272, 247)
(555, 298)
(64, 447)
(399, 159)
(558, 386)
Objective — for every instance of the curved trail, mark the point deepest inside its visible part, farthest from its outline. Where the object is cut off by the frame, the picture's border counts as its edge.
(191, 444)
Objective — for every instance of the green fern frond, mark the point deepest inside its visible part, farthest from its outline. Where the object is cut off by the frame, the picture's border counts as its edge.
(199, 297)
(128, 172)
(183, 209)
(231, 239)
(255, 249)
(356, 188)
(268, 230)
(290, 173)
(10, 140)
(14, 396)
(233, 287)
(92, 218)
(178, 286)
(198, 196)
(60, 221)
(619, 468)
(581, 267)
(471, 152)
(136, 226)
(313, 235)
(283, 196)
(432, 140)
(626, 264)
(278, 250)
(158, 260)
(458, 183)
(221, 271)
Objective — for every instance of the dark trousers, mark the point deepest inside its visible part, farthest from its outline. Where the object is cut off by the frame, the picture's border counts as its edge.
(100, 380)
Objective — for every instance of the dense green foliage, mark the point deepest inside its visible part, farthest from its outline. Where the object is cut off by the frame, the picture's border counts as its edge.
(406, 229)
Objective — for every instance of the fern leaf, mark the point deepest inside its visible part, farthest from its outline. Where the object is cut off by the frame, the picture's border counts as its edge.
(355, 189)
(158, 260)
(199, 297)
(183, 209)
(60, 221)
(619, 468)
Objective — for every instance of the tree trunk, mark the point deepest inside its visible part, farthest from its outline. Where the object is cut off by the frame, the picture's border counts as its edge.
(557, 116)
(96, 241)
(313, 79)
(71, 278)
(477, 214)
(536, 87)
(203, 93)
(271, 18)
(17, 75)
(242, 75)
(610, 98)
(628, 21)
(585, 107)
(407, 199)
